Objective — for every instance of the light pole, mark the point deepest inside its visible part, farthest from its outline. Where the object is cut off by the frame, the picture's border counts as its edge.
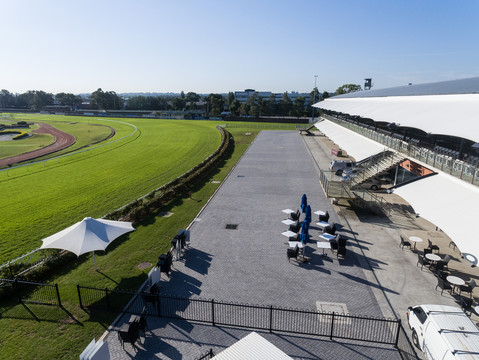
(314, 99)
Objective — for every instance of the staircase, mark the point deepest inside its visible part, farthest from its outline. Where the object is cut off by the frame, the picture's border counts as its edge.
(378, 165)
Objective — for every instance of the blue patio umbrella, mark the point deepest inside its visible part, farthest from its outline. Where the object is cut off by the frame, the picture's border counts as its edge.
(307, 217)
(304, 203)
(304, 235)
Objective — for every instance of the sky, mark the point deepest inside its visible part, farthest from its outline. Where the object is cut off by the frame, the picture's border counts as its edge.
(217, 46)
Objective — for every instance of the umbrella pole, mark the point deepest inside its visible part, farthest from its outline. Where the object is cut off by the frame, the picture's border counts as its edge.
(94, 261)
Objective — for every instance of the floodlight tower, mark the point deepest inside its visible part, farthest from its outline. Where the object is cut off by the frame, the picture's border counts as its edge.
(314, 99)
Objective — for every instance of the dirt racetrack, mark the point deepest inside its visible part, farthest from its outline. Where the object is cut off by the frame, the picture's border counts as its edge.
(62, 141)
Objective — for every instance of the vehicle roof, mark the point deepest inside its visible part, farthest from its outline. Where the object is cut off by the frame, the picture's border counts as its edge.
(458, 331)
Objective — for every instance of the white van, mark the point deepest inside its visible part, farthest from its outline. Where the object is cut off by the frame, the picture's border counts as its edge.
(443, 332)
(336, 165)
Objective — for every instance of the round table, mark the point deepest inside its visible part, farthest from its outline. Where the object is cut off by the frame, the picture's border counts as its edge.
(415, 240)
(455, 281)
(433, 257)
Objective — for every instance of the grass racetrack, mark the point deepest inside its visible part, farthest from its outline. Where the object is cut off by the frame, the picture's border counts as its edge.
(36, 204)
(163, 150)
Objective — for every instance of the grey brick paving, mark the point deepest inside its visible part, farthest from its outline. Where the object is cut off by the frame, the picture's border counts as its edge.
(249, 265)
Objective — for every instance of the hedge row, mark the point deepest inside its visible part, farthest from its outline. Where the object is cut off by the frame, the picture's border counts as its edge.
(143, 207)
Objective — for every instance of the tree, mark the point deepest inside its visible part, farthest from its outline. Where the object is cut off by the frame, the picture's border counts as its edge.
(68, 99)
(285, 105)
(325, 95)
(230, 98)
(178, 103)
(347, 88)
(265, 107)
(34, 99)
(192, 97)
(253, 105)
(273, 106)
(234, 107)
(106, 100)
(298, 106)
(6, 99)
(215, 104)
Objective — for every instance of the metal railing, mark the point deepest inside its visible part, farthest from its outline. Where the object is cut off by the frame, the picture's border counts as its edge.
(29, 260)
(455, 167)
(405, 347)
(286, 126)
(207, 355)
(31, 292)
(270, 318)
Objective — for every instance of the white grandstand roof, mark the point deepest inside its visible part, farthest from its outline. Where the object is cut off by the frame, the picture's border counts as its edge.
(447, 108)
(449, 203)
(357, 146)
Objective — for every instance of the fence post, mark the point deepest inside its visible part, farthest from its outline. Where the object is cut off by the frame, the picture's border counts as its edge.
(58, 295)
(213, 311)
(332, 327)
(79, 296)
(107, 298)
(15, 286)
(271, 318)
(397, 333)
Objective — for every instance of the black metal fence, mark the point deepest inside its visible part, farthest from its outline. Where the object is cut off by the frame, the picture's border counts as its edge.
(270, 318)
(405, 347)
(30, 292)
(208, 355)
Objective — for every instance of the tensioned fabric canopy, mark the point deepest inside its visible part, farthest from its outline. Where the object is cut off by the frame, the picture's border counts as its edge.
(450, 204)
(454, 115)
(252, 346)
(358, 146)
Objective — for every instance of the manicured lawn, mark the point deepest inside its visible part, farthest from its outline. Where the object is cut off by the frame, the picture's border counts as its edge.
(26, 144)
(51, 196)
(43, 332)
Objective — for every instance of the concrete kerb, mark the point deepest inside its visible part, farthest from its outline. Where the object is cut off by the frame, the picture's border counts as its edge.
(118, 318)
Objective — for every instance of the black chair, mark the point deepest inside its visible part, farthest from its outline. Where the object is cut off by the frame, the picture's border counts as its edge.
(334, 243)
(182, 239)
(427, 251)
(438, 266)
(441, 274)
(292, 253)
(443, 285)
(432, 246)
(422, 260)
(468, 287)
(131, 335)
(467, 304)
(453, 244)
(324, 217)
(341, 247)
(142, 321)
(165, 262)
(446, 260)
(295, 216)
(330, 229)
(151, 295)
(295, 227)
(404, 243)
(296, 237)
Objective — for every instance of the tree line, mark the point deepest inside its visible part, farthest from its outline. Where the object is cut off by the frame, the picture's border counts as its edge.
(213, 104)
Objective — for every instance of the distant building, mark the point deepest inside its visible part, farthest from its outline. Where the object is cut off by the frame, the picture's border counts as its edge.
(243, 96)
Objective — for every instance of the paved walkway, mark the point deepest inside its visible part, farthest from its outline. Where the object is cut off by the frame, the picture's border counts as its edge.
(249, 265)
